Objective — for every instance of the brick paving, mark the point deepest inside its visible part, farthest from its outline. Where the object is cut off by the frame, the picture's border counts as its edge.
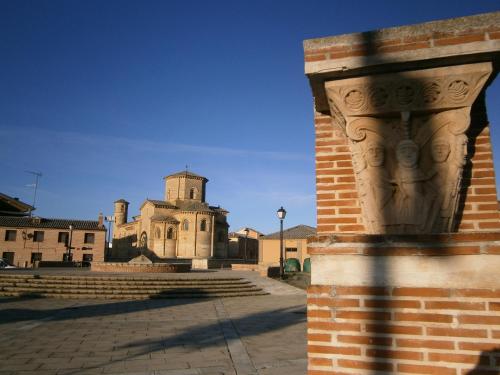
(245, 335)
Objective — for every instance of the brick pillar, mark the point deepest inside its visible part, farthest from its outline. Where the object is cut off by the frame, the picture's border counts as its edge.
(405, 267)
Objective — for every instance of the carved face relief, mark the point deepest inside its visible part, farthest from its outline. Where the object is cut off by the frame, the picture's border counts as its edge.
(440, 150)
(408, 141)
(461, 150)
(358, 163)
(374, 154)
(407, 153)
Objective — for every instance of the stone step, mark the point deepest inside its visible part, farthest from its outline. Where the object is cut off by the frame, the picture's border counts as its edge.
(124, 287)
(43, 289)
(116, 278)
(105, 287)
(121, 283)
(132, 296)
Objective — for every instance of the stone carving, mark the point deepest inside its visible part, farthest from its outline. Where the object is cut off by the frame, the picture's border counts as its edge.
(407, 135)
(375, 186)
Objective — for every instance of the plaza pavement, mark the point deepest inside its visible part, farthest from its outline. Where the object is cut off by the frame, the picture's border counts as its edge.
(246, 335)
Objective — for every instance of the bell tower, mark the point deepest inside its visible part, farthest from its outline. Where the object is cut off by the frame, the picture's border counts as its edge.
(121, 212)
(185, 186)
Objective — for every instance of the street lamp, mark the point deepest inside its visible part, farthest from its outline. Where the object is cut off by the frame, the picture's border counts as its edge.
(246, 240)
(110, 220)
(281, 215)
(70, 256)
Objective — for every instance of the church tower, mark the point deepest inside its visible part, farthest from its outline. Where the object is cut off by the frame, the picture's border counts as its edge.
(121, 212)
(185, 186)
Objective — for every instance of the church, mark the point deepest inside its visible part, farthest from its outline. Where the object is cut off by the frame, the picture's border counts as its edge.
(182, 226)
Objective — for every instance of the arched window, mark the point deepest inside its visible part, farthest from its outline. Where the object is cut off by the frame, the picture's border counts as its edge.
(203, 225)
(192, 193)
(170, 233)
(157, 232)
(185, 224)
(143, 242)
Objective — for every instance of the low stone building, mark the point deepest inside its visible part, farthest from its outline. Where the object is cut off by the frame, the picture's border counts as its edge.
(24, 240)
(294, 245)
(244, 244)
(182, 225)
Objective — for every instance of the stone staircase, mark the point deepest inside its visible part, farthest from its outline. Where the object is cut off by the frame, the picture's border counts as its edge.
(123, 287)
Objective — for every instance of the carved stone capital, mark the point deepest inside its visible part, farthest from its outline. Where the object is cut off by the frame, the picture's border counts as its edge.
(408, 143)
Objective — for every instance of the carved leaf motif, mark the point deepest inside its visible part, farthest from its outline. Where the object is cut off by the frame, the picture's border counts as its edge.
(458, 90)
(378, 96)
(354, 99)
(357, 128)
(405, 94)
(431, 92)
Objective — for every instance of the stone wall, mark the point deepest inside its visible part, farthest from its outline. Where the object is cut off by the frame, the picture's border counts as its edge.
(139, 268)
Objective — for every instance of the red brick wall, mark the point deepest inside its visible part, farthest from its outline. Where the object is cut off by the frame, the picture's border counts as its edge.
(424, 304)
(338, 208)
(403, 330)
(415, 41)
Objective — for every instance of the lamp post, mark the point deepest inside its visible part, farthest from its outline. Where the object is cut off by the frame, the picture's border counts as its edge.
(110, 220)
(246, 240)
(70, 256)
(281, 215)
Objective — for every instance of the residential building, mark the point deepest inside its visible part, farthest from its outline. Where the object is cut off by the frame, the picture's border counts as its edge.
(24, 240)
(294, 245)
(10, 206)
(244, 244)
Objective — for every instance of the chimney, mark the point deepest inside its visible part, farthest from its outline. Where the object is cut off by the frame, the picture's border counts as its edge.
(100, 220)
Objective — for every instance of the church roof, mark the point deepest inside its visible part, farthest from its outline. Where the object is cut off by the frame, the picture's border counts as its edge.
(186, 206)
(187, 174)
(166, 218)
(158, 203)
(194, 206)
(299, 231)
(40, 222)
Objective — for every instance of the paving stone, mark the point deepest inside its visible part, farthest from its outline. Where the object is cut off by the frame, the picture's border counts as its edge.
(158, 337)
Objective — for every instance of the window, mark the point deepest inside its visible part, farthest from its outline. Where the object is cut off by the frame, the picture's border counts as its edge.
(291, 249)
(63, 237)
(170, 233)
(87, 257)
(36, 256)
(89, 238)
(185, 224)
(10, 235)
(192, 193)
(38, 237)
(143, 242)
(8, 256)
(203, 225)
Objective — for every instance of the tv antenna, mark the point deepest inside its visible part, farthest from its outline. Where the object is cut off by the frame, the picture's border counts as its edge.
(35, 187)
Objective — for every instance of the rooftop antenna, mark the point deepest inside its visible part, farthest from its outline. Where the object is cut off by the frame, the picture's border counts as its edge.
(35, 186)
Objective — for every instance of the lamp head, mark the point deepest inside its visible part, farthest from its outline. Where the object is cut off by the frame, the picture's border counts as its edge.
(281, 213)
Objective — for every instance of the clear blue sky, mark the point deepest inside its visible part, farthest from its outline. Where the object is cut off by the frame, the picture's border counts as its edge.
(107, 97)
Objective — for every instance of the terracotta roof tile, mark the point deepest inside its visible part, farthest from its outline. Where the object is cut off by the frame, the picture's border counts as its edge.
(35, 222)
